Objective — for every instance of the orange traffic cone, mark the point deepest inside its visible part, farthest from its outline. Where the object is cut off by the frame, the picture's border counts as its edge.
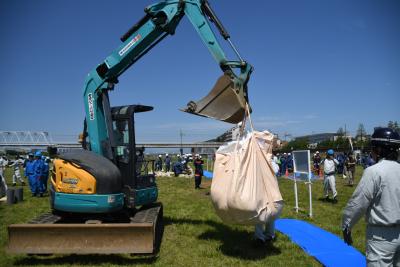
(287, 173)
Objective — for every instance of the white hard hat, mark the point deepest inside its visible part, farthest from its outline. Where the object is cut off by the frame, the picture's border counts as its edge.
(199, 156)
(159, 156)
(166, 154)
(317, 152)
(178, 155)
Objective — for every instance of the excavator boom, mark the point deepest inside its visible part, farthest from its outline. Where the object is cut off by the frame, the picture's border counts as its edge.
(161, 20)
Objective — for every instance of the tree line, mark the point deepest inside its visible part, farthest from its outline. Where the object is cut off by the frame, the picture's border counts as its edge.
(341, 142)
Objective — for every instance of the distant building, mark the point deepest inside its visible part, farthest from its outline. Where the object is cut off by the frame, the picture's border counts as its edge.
(318, 138)
(365, 137)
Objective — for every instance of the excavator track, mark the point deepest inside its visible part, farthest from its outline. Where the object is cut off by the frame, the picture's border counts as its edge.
(54, 234)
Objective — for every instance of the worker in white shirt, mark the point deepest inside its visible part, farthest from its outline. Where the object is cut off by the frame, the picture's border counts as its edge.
(17, 164)
(377, 196)
(330, 164)
(3, 184)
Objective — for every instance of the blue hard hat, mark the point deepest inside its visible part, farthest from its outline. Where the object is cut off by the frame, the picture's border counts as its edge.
(330, 152)
(38, 154)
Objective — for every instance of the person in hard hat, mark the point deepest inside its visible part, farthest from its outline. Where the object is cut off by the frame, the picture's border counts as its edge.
(30, 173)
(350, 164)
(283, 163)
(341, 159)
(17, 164)
(45, 173)
(159, 163)
(3, 184)
(274, 164)
(377, 197)
(198, 171)
(316, 160)
(289, 162)
(167, 163)
(38, 167)
(177, 167)
(330, 164)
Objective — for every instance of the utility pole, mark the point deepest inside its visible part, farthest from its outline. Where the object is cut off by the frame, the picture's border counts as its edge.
(286, 135)
(181, 135)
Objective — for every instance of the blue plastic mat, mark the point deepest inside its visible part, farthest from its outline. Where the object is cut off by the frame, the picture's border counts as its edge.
(326, 247)
(207, 174)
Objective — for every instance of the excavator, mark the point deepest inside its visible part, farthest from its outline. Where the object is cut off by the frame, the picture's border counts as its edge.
(104, 197)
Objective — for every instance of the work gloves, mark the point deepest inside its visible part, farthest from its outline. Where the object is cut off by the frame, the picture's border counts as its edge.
(347, 236)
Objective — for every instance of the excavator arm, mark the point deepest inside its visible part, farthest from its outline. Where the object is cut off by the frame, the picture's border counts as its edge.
(225, 102)
(102, 202)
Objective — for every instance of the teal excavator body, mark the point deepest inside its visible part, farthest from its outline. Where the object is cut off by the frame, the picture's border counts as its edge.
(109, 132)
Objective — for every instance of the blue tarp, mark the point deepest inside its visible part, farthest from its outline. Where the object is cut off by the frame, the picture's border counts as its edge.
(326, 247)
(207, 174)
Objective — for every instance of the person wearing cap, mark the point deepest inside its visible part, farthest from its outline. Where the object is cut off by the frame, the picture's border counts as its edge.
(377, 196)
(330, 164)
(18, 162)
(159, 163)
(350, 165)
(198, 171)
(38, 167)
(30, 174)
(283, 163)
(3, 184)
(45, 173)
(317, 160)
(167, 163)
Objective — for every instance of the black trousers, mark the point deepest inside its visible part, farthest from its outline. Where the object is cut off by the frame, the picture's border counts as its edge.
(197, 180)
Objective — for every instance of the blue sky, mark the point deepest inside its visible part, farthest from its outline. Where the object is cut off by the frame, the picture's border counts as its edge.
(318, 65)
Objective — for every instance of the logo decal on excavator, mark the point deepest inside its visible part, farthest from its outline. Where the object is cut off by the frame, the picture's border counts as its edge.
(129, 45)
(90, 103)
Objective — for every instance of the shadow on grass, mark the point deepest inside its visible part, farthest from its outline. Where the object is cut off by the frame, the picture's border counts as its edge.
(235, 243)
(85, 260)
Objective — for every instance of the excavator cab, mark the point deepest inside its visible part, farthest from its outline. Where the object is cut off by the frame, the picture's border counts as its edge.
(138, 179)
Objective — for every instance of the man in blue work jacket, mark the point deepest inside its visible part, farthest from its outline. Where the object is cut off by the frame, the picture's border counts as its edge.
(38, 173)
(30, 173)
(45, 173)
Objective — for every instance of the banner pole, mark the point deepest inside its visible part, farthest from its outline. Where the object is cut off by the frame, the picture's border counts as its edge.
(295, 194)
(309, 183)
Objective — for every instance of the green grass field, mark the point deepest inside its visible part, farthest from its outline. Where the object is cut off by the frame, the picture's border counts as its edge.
(193, 234)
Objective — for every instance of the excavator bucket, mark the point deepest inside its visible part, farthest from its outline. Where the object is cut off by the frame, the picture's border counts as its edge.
(225, 102)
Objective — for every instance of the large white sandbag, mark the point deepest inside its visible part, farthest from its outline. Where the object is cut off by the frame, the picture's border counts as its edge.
(244, 187)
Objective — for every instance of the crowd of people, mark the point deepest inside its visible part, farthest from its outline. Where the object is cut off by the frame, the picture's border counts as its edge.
(36, 171)
(180, 166)
(283, 163)
(376, 196)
